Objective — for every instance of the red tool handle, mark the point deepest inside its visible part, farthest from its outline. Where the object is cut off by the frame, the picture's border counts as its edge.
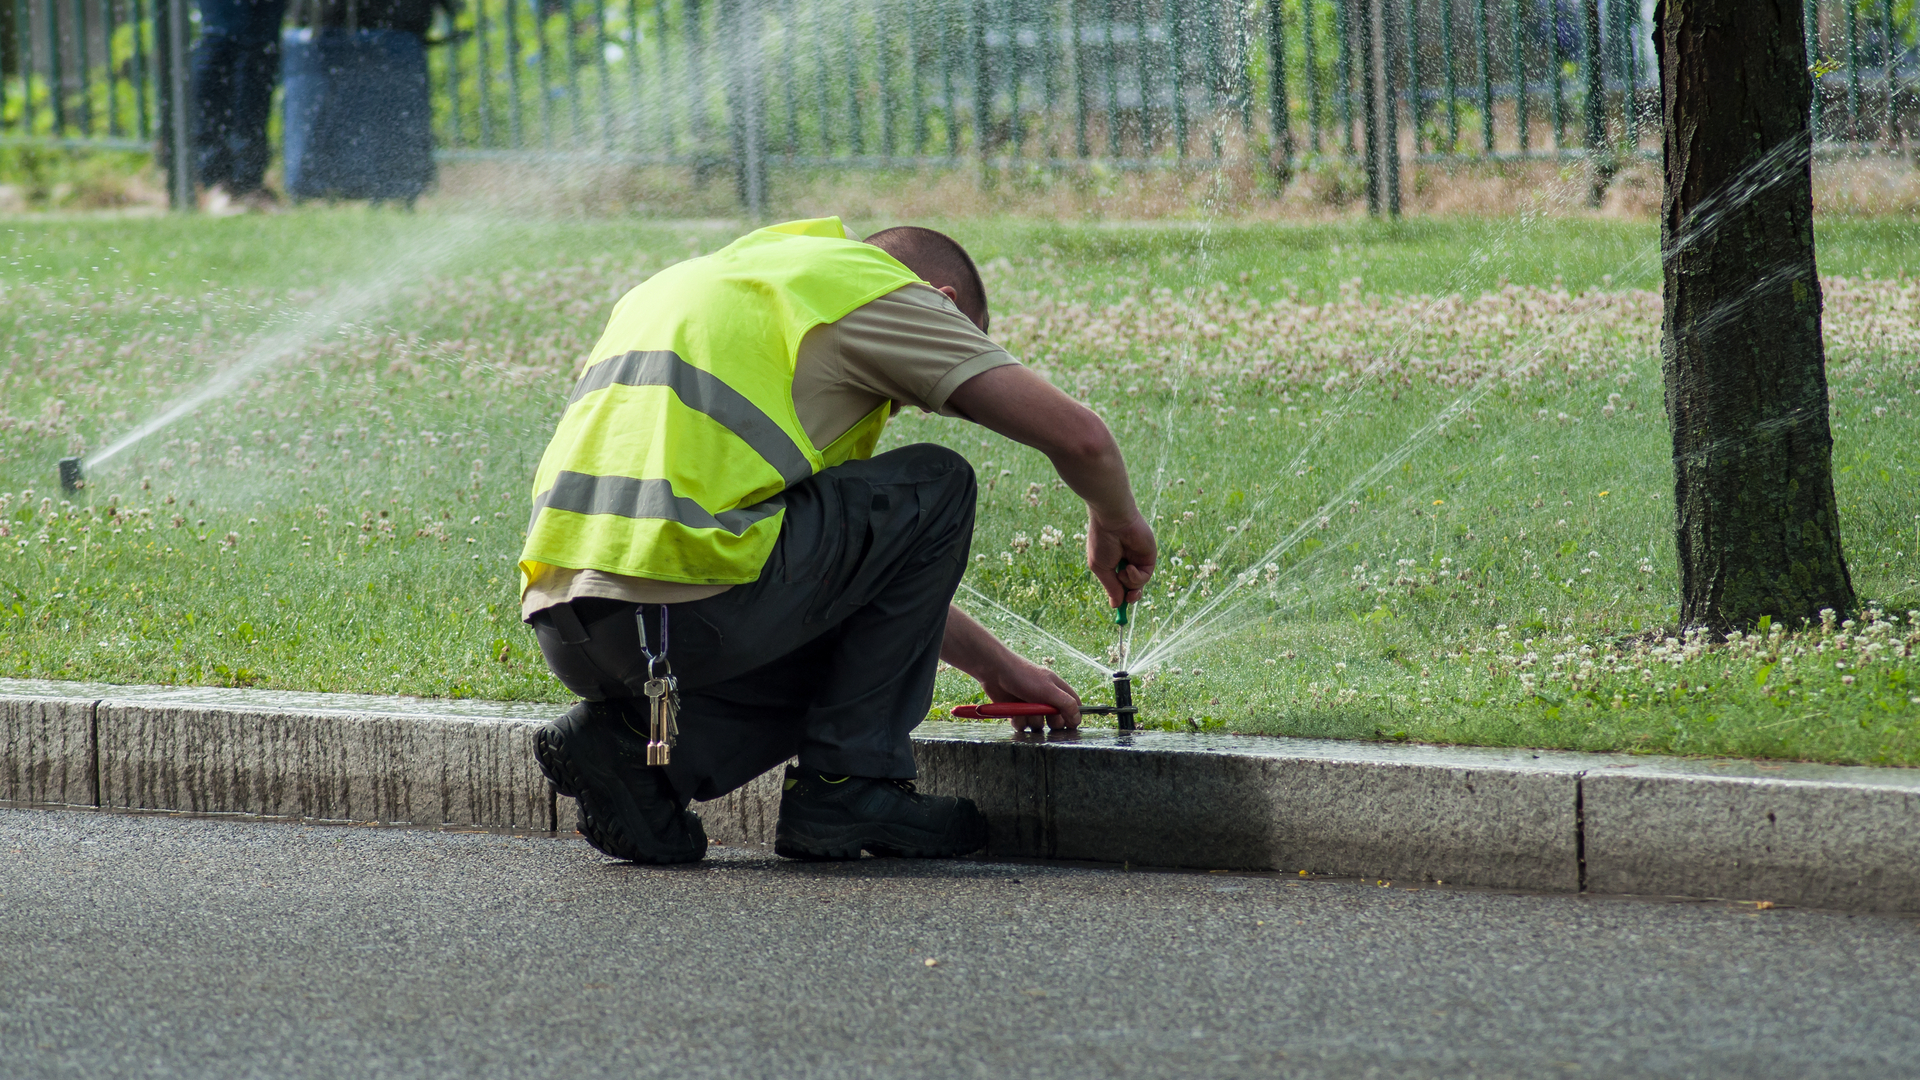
(1003, 709)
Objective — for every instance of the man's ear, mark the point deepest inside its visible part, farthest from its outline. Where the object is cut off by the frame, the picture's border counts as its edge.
(950, 293)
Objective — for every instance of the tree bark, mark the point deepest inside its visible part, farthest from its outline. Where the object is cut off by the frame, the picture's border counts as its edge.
(1746, 388)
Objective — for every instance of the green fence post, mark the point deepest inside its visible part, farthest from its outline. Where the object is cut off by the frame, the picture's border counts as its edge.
(1177, 37)
(1596, 85)
(693, 33)
(1343, 72)
(175, 37)
(982, 84)
(1282, 122)
(789, 88)
(1853, 69)
(746, 119)
(1044, 43)
(1016, 130)
(1079, 47)
(1110, 57)
(1307, 48)
(56, 78)
(1888, 55)
(1390, 129)
(883, 70)
(637, 136)
(822, 82)
(1416, 103)
(1599, 153)
(1629, 31)
(570, 56)
(606, 75)
(1210, 71)
(516, 127)
(916, 93)
(23, 46)
(1453, 83)
(139, 26)
(1483, 31)
(1518, 16)
(850, 57)
(945, 15)
(663, 80)
(1558, 63)
(1142, 60)
(26, 99)
(544, 68)
(110, 23)
(483, 70)
(1370, 106)
(454, 46)
(1240, 61)
(85, 73)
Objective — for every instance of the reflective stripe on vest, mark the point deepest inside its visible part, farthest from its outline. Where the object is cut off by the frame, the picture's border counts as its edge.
(703, 392)
(681, 433)
(624, 496)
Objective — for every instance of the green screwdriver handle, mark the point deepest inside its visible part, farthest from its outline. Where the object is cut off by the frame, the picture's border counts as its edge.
(1120, 613)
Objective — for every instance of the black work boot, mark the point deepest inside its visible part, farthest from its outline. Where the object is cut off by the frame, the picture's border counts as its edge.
(824, 817)
(597, 753)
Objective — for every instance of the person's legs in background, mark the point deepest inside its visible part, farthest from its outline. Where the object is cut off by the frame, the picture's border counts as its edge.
(235, 64)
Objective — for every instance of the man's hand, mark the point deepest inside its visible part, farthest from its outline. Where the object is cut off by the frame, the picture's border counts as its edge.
(1107, 548)
(1019, 679)
(1005, 675)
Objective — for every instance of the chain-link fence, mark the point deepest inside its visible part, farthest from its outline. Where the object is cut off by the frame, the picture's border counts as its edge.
(742, 87)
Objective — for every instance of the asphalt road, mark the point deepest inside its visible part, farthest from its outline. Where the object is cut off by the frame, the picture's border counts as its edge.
(166, 946)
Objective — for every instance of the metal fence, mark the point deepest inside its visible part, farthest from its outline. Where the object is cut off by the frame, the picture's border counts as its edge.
(741, 87)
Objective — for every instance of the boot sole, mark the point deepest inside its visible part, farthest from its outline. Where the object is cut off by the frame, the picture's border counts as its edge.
(596, 820)
(848, 841)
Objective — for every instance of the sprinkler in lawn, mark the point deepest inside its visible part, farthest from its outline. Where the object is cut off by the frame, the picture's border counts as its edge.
(72, 476)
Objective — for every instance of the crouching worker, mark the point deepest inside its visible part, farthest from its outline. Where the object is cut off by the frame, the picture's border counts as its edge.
(719, 565)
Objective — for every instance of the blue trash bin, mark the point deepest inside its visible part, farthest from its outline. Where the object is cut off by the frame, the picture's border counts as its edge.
(358, 121)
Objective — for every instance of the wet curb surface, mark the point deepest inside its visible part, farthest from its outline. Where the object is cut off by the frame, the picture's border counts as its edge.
(1813, 835)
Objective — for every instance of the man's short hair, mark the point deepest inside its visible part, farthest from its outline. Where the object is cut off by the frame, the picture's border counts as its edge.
(939, 260)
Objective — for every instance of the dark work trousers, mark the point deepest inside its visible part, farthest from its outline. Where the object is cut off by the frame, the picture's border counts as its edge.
(234, 65)
(830, 655)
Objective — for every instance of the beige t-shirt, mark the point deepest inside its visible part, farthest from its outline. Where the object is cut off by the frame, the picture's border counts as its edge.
(911, 347)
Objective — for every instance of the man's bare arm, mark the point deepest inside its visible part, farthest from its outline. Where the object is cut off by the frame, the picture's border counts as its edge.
(1018, 403)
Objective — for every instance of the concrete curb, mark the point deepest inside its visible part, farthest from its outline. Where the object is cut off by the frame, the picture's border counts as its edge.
(1552, 821)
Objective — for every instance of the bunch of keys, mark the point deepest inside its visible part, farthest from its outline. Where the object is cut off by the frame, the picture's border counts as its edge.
(663, 698)
(662, 690)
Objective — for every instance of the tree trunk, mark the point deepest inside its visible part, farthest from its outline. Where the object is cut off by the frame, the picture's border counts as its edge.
(1746, 385)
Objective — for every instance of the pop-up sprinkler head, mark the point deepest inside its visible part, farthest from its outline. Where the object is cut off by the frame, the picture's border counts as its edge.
(1123, 699)
(72, 477)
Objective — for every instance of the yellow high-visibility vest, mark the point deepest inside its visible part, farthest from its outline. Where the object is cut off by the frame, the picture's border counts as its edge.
(681, 433)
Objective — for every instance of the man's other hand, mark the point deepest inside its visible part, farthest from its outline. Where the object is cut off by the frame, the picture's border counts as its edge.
(1108, 547)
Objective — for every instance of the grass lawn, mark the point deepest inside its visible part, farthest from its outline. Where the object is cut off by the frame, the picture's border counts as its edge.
(1411, 480)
